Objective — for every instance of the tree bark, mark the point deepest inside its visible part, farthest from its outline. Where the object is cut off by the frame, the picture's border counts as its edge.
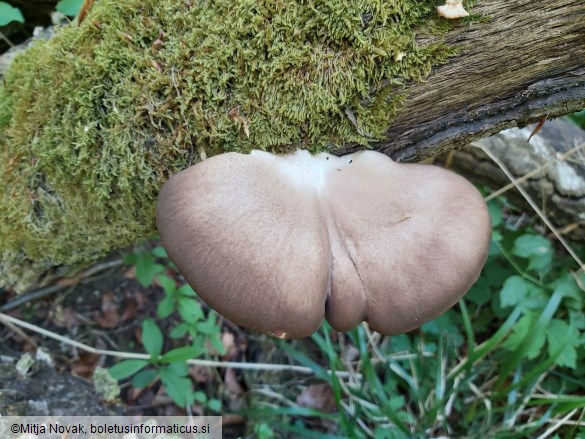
(517, 61)
(526, 61)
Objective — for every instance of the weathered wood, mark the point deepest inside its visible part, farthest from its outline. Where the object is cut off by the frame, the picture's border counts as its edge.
(526, 61)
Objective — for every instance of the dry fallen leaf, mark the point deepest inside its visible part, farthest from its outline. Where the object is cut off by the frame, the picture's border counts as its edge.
(109, 317)
(201, 374)
(66, 317)
(319, 397)
(85, 365)
(231, 382)
(236, 117)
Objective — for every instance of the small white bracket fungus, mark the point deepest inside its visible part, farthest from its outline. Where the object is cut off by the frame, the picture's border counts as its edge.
(277, 243)
(452, 9)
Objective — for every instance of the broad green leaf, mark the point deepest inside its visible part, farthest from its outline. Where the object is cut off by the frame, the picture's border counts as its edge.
(536, 298)
(166, 307)
(495, 273)
(179, 368)
(152, 338)
(560, 334)
(514, 291)
(126, 368)
(214, 404)
(217, 344)
(179, 330)
(186, 290)
(9, 13)
(167, 284)
(572, 294)
(400, 343)
(263, 431)
(529, 245)
(521, 332)
(182, 354)
(537, 249)
(478, 294)
(397, 402)
(159, 252)
(189, 310)
(200, 397)
(207, 328)
(495, 211)
(69, 7)
(144, 378)
(179, 388)
(578, 118)
(444, 324)
(130, 259)
(146, 269)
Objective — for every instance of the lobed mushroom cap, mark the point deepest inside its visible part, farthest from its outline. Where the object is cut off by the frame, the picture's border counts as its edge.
(277, 243)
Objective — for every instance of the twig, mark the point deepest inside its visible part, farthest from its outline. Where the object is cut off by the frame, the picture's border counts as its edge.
(6, 40)
(208, 363)
(560, 157)
(47, 291)
(559, 424)
(530, 201)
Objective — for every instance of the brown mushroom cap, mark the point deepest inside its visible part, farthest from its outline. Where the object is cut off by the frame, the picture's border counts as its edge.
(275, 243)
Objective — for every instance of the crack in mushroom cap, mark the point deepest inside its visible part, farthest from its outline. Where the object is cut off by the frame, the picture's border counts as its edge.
(277, 243)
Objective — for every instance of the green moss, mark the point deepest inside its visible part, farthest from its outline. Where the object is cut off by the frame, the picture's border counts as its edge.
(94, 121)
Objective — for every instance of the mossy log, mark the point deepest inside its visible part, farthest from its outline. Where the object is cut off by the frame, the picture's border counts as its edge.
(94, 121)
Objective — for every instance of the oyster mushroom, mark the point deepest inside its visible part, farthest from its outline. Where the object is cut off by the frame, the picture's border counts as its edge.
(278, 243)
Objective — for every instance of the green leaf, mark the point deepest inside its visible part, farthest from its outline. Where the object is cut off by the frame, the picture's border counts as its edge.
(179, 330)
(214, 404)
(146, 269)
(514, 291)
(186, 290)
(571, 292)
(167, 284)
(217, 344)
(263, 431)
(578, 118)
(69, 7)
(152, 338)
(400, 343)
(179, 388)
(166, 307)
(529, 245)
(537, 249)
(521, 333)
(130, 259)
(444, 324)
(495, 211)
(9, 13)
(182, 354)
(127, 368)
(207, 328)
(159, 252)
(189, 310)
(560, 333)
(144, 378)
(179, 368)
(200, 397)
